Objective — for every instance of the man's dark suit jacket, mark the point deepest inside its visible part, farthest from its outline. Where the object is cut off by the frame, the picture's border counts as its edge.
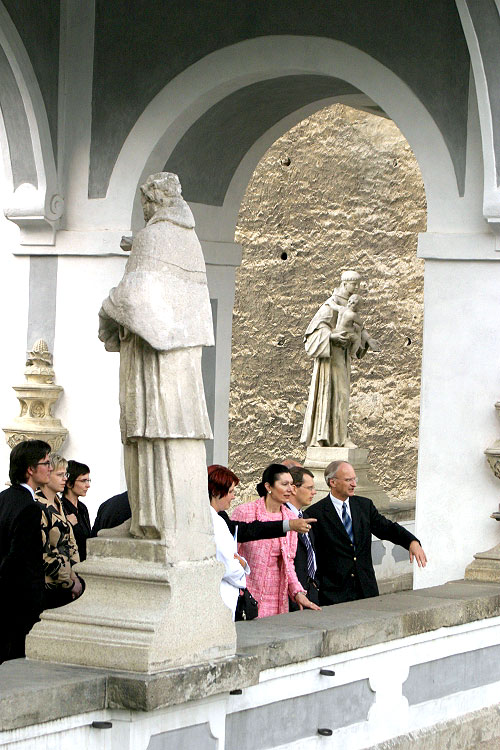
(112, 512)
(345, 572)
(22, 580)
(310, 587)
(253, 530)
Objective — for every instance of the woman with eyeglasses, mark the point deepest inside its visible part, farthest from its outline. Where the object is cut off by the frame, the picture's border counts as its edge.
(60, 552)
(77, 485)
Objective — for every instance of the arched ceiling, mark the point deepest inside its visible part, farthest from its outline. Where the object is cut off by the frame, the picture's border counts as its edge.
(141, 46)
(209, 153)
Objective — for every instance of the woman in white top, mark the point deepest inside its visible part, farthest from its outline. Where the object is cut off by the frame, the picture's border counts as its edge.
(221, 484)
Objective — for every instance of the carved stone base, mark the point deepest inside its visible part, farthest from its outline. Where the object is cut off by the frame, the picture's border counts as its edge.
(485, 566)
(138, 613)
(317, 459)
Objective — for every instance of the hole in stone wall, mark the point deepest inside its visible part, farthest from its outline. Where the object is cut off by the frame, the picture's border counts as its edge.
(284, 256)
(407, 341)
(285, 161)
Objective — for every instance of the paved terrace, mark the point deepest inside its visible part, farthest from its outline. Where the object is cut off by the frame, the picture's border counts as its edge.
(34, 692)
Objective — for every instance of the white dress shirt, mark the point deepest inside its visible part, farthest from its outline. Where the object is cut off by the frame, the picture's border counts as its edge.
(234, 577)
(337, 504)
(29, 488)
(295, 510)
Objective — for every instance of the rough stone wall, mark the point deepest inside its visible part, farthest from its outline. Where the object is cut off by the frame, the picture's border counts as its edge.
(341, 190)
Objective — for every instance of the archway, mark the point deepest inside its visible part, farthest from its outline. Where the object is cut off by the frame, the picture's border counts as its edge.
(341, 189)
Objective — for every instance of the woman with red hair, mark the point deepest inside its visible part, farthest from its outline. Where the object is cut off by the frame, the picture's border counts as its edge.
(221, 484)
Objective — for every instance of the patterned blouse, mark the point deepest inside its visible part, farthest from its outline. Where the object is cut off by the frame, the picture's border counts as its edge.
(60, 552)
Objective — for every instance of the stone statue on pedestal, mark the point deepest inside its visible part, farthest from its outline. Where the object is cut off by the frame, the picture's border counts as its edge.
(152, 599)
(333, 336)
(158, 318)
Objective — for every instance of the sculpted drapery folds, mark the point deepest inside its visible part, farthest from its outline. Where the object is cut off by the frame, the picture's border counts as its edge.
(158, 318)
(332, 337)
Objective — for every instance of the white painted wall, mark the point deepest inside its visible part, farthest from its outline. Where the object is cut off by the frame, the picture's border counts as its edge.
(88, 373)
(456, 491)
(14, 287)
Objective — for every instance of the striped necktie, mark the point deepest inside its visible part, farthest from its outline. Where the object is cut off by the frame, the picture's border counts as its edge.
(311, 567)
(346, 520)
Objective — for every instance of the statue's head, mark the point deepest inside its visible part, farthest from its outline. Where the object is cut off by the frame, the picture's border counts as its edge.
(354, 301)
(160, 189)
(350, 281)
(162, 192)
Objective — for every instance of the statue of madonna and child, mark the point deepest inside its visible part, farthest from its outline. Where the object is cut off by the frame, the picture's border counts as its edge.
(335, 335)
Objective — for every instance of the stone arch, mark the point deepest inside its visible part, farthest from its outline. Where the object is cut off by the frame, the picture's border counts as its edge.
(481, 25)
(193, 95)
(26, 141)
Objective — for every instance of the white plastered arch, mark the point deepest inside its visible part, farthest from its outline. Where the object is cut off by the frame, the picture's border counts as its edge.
(34, 209)
(193, 92)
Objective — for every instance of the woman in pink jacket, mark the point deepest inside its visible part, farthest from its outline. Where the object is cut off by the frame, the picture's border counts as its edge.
(273, 578)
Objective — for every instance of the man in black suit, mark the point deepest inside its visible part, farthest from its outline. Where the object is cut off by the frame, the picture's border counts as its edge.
(112, 512)
(22, 579)
(343, 536)
(303, 493)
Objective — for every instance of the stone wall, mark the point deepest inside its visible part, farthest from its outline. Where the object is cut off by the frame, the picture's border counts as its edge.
(341, 190)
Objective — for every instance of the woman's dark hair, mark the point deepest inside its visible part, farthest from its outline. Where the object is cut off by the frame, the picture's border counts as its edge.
(270, 476)
(74, 470)
(23, 455)
(220, 480)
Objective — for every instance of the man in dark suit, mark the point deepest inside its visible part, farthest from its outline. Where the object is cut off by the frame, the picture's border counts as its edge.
(22, 578)
(303, 493)
(343, 536)
(112, 512)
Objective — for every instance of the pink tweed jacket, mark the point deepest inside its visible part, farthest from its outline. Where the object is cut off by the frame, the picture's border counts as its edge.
(258, 556)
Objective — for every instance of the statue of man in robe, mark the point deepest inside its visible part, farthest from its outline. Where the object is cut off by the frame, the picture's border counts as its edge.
(158, 318)
(325, 421)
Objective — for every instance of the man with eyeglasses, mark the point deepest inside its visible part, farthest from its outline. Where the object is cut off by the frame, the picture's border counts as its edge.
(343, 537)
(21, 555)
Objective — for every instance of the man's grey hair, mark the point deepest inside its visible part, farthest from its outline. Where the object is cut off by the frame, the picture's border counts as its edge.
(331, 470)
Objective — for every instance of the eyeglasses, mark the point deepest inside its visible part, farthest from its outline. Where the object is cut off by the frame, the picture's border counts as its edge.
(84, 481)
(43, 463)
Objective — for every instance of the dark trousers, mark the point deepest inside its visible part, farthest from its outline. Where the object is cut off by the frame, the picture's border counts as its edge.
(12, 637)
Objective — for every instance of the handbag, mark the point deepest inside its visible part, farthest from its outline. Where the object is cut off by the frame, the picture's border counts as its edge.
(246, 606)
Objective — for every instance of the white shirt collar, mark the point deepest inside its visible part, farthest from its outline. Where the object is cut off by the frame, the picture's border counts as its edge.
(29, 488)
(292, 507)
(337, 504)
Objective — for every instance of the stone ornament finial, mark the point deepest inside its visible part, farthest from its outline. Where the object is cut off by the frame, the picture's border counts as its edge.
(493, 452)
(39, 364)
(37, 398)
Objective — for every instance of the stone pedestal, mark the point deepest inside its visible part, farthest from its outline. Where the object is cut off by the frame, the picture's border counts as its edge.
(485, 566)
(139, 613)
(317, 459)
